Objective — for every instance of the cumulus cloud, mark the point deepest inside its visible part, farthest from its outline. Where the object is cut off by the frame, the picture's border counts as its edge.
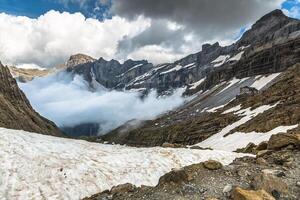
(157, 54)
(67, 101)
(50, 39)
(160, 31)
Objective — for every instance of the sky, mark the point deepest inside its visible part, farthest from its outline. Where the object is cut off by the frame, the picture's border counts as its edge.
(47, 32)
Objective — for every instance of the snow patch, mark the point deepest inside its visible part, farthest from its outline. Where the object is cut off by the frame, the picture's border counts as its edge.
(244, 47)
(231, 142)
(196, 84)
(220, 60)
(262, 81)
(134, 67)
(176, 68)
(233, 109)
(237, 57)
(212, 110)
(238, 140)
(34, 166)
(232, 82)
(189, 65)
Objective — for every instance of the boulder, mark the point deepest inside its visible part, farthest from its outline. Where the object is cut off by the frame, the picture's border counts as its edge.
(177, 176)
(263, 153)
(227, 190)
(269, 181)
(282, 140)
(249, 148)
(262, 146)
(212, 165)
(241, 194)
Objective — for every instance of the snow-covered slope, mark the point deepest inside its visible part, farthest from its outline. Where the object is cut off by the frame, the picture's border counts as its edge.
(34, 166)
(238, 139)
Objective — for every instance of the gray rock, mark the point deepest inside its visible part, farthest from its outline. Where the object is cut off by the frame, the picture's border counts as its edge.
(227, 189)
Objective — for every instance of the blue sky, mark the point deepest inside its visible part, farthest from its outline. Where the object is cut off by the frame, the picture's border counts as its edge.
(35, 8)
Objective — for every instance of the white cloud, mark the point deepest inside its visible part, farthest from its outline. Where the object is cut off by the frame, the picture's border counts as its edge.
(157, 54)
(293, 11)
(30, 66)
(67, 101)
(54, 36)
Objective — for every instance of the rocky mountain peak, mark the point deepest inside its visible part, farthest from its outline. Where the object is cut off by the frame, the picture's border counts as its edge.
(271, 19)
(271, 26)
(275, 13)
(101, 60)
(208, 48)
(78, 59)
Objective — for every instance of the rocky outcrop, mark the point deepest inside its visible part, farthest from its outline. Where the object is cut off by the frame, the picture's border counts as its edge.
(176, 176)
(16, 111)
(269, 181)
(282, 140)
(212, 165)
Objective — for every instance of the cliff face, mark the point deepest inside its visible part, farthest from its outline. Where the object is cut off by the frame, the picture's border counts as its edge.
(16, 111)
(111, 74)
(255, 61)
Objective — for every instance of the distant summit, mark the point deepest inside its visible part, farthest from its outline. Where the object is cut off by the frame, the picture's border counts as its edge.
(78, 59)
(271, 26)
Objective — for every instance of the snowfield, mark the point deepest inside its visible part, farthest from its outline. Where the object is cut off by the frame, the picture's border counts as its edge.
(238, 139)
(262, 81)
(34, 166)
